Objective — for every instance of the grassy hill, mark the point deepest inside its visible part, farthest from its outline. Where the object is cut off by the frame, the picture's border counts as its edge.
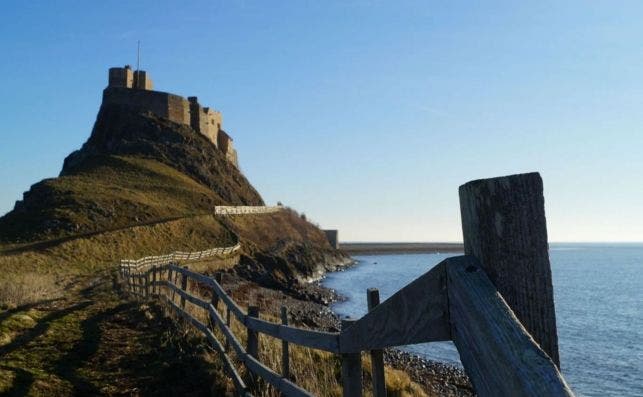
(134, 169)
(142, 185)
(139, 186)
(106, 193)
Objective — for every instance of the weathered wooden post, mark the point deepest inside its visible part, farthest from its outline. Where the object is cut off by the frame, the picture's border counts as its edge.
(227, 323)
(184, 286)
(169, 277)
(154, 288)
(503, 225)
(215, 297)
(140, 286)
(377, 356)
(351, 369)
(285, 354)
(147, 284)
(253, 336)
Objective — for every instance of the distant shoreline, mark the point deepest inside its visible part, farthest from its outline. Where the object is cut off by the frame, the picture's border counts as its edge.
(399, 248)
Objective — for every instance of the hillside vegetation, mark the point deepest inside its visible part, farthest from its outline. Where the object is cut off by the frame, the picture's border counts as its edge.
(135, 168)
(143, 186)
(106, 193)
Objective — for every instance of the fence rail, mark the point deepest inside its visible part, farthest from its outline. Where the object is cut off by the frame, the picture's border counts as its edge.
(147, 261)
(141, 285)
(456, 300)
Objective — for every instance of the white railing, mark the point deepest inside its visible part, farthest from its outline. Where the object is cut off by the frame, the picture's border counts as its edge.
(245, 209)
(138, 264)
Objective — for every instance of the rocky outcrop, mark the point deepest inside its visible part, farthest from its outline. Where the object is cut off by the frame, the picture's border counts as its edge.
(119, 130)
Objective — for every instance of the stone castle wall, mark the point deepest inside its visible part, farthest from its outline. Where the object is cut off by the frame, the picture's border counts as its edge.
(205, 121)
(172, 107)
(134, 89)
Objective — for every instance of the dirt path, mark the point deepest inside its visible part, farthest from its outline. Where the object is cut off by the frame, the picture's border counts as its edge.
(95, 343)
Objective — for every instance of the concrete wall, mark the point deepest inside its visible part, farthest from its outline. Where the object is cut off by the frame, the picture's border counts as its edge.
(332, 235)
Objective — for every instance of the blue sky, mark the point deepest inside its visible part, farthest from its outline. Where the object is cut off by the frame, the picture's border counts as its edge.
(365, 115)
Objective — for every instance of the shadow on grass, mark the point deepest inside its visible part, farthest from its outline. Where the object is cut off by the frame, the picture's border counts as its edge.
(21, 383)
(7, 313)
(170, 363)
(41, 327)
(87, 346)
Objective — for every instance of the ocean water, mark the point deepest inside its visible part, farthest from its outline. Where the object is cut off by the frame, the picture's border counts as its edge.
(598, 292)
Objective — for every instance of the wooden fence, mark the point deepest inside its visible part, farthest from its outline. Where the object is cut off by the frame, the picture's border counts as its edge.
(138, 264)
(245, 209)
(505, 340)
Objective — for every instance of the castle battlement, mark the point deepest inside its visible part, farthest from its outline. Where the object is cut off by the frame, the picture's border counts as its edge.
(135, 89)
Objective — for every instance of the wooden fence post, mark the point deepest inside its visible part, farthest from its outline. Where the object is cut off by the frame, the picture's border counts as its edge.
(285, 354)
(351, 369)
(184, 287)
(215, 298)
(169, 280)
(227, 323)
(504, 227)
(154, 287)
(253, 336)
(147, 284)
(377, 356)
(140, 286)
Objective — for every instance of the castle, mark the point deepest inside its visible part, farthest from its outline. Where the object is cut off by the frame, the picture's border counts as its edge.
(135, 89)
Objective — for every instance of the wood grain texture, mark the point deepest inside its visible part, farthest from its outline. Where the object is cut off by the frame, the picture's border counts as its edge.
(285, 351)
(377, 356)
(504, 226)
(497, 352)
(351, 368)
(252, 335)
(415, 314)
(327, 341)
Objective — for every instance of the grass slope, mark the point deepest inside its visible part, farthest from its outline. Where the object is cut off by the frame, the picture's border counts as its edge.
(107, 193)
(93, 343)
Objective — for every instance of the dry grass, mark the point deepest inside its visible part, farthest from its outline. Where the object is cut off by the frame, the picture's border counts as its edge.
(317, 371)
(26, 288)
(109, 192)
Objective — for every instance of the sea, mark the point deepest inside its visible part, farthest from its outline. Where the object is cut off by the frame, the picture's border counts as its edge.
(598, 293)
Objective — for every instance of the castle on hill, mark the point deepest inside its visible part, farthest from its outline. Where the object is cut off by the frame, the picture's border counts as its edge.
(135, 89)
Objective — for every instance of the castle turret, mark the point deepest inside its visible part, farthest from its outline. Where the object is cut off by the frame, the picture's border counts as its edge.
(121, 77)
(142, 81)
